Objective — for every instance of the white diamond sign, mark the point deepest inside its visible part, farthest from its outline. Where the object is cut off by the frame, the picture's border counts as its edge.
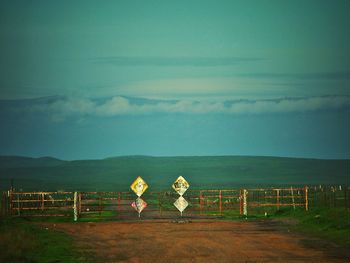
(181, 185)
(139, 205)
(181, 204)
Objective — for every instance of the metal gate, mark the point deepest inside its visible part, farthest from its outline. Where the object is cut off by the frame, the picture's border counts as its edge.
(117, 205)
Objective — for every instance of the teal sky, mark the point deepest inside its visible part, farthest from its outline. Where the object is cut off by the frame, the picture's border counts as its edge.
(175, 78)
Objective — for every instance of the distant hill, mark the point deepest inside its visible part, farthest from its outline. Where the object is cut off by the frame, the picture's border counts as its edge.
(19, 161)
(114, 174)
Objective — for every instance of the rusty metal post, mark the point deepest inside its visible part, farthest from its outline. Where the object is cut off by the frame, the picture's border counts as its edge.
(11, 199)
(100, 204)
(240, 202)
(220, 202)
(79, 204)
(200, 202)
(18, 205)
(42, 201)
(118, 204)
(159, 205)
(278, 198)
(306, 199)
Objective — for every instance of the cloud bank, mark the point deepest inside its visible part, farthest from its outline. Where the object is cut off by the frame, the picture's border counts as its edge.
(173, 61)
(118, 106)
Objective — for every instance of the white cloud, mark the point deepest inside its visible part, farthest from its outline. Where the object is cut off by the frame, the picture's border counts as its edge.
(118, 105)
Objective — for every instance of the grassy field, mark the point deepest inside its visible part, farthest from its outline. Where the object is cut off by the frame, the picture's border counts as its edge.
(21, 241)
(327, 223)
(116, 174)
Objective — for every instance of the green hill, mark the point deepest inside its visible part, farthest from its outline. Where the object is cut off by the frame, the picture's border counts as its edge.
(114, 174)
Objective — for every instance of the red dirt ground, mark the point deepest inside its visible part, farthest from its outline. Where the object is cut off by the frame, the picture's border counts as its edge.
(197, 241)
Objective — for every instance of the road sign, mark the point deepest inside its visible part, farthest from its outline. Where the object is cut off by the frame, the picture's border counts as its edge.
(181, 185)
(139, 186)
(139, 205)
(181, 204)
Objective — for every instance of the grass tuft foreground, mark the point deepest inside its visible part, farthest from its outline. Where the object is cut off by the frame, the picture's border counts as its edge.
(21, 241)
(331, 224)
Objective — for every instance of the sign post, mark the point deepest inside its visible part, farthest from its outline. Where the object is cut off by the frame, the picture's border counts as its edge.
(180, 186)
(139, 186)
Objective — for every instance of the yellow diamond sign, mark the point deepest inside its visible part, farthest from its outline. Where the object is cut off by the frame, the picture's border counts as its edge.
(181, 185)
(139, 186)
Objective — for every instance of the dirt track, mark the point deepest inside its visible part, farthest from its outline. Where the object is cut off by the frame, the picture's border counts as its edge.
(198, 241)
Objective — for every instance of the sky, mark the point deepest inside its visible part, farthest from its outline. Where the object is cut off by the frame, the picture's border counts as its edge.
(94, 79)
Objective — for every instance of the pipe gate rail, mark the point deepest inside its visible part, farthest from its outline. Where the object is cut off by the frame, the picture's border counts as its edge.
(202, 203)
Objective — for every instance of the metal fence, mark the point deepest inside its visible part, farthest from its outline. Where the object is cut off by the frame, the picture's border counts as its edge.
(40, 203)
(5, 204)
(201, 203)
(329, 196)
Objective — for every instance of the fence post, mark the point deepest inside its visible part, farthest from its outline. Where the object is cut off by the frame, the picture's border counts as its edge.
(292, 192)
(18, 206)
(42, 201)
(79, 204)
(100, 204)
(11, 203)
(118, 202)
(306, 199)
(240, 202)
(278, 198)
(245, 203)
(159, 205)
(200, 202)
(220, 202)
(75, 208)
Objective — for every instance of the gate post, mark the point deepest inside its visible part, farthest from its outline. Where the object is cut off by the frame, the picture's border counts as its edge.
(159, 205)
(79, 204)
(245, 211)
(240, 202)
(220, 202)
(200, 202)
(306, 199)
(42, 202)
(293, 200)
(118, 204)
(75, 208)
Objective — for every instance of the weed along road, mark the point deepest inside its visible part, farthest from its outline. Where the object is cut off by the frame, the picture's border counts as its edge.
(197, 241)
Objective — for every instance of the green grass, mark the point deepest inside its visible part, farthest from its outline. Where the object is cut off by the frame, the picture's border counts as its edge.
(332, 224)
(21, 241)
(327, 223)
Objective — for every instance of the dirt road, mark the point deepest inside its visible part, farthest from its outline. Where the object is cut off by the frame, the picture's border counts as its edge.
(198, 241)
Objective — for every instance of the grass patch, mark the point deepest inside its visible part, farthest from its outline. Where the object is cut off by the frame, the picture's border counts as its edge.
(327, 223)
(21, 241)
